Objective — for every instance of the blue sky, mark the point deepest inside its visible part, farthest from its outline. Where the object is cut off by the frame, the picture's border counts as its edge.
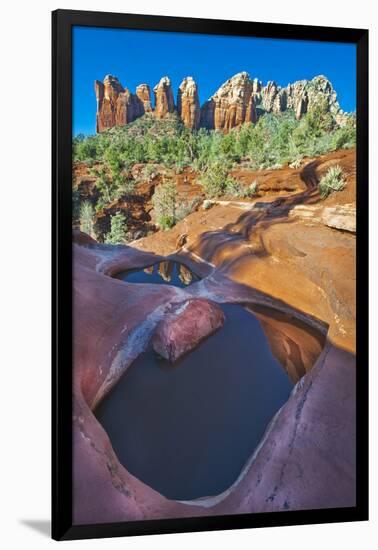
(136, 57)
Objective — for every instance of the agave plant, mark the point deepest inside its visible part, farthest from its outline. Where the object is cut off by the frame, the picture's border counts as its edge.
(332, 181)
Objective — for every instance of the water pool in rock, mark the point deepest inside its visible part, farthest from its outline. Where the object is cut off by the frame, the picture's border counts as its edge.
(166, 272)
(188, 429)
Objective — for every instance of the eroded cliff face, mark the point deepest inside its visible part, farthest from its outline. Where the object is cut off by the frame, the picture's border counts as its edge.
(304, 95)
(164, 102)
(188, 105)
(116, 106)
(237, 100)
(231, 105)
(240, 99)
(143, 93)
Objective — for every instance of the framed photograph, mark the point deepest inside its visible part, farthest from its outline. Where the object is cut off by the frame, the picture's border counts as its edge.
(210, 215)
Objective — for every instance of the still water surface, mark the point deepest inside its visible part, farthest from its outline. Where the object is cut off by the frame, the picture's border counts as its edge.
(188, 429)
(163, 273)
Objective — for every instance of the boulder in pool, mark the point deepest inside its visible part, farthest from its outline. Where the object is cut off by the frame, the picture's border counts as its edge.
(184, 327)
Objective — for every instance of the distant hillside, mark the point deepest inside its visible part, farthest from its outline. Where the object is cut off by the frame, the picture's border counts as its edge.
(275, 139)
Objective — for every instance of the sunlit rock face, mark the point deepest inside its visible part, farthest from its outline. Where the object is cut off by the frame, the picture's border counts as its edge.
(340, 216)
(188, 105)
(164, 102)
(305, 95)
(239, 100)
(231, 105)
(116, 106)
(269, 93)
(143, 93)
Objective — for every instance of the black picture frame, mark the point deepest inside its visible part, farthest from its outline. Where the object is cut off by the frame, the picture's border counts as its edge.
(62, 23)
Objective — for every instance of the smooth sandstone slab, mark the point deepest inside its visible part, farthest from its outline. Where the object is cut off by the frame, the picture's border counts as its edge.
(306, 459)
(341, 216)
(188, 324)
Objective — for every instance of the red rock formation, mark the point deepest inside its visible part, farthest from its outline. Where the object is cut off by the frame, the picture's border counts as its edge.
(301, 96)
(269, 93)
(182, 330)
(231, 105)
(280, 101)
(207, 114)
(234, 103)
(107, 94)
(251, 113)
(144, 95)
(188, 105)
(164, 102)
(117, 106)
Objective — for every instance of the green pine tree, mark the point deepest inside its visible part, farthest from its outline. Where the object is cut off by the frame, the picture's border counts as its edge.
(87, 219)
(117, 229)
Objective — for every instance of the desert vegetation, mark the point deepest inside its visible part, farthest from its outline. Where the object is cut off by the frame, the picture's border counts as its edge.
(273, 141)
(332, 181)
(117, 231)
(87, 218)
(165, 203)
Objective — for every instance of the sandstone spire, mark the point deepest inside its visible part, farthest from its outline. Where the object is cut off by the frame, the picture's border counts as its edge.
(143, 93)
(188, 105)
(164, 102)
(238, 100)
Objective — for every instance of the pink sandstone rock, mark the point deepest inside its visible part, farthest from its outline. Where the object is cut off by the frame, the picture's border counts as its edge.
(182, 329)
(306, 459)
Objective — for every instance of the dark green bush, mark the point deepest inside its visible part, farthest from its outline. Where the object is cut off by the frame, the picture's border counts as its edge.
(275, 139)
(164, 202)
(214, 180)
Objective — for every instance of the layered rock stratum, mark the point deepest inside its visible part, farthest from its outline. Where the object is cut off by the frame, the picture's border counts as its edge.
(116, 105)
(240, 99)
(233, 104)
(188, 105)
(143, 93)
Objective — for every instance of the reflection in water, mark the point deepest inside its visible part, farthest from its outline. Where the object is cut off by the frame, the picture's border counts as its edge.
(166, 272)
(185, 275)
(294, 344)
(188, 429)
